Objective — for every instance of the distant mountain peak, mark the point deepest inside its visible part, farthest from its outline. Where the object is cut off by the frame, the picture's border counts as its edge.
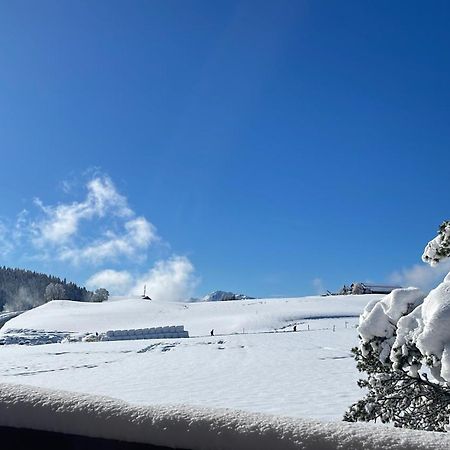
(222, 296)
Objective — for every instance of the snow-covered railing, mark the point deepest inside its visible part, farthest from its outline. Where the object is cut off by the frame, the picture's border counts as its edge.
(146, 333)
(193, 428)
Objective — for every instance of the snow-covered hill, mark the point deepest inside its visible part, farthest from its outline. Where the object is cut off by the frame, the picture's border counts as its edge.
(198, 318)
(253, 362)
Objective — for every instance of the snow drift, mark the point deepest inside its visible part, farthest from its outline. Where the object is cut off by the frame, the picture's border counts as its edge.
(193, 428)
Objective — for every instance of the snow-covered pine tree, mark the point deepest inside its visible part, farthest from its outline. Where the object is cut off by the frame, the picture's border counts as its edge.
(394, 396)
(24, 289)
(100, 295)
(438, 248)
(401, 335)
(54, 291)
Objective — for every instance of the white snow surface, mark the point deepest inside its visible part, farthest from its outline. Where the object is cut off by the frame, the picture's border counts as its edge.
(253, 363)
(255, 384)
(428, 328)
(380, 317)
(194, 428)
(198, 318)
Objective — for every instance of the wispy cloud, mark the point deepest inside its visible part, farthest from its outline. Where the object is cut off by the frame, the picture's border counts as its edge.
(138, 234)
(318, 286)
(421, 275)
(61, 222)
(98, 231)
(6, 244)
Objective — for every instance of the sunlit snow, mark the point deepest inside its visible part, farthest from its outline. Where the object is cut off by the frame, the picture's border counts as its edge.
(254, 361)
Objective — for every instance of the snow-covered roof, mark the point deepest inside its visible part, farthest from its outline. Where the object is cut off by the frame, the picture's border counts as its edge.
(380, 288)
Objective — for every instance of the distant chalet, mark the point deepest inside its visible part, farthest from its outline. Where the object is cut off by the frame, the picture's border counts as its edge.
(368, 288)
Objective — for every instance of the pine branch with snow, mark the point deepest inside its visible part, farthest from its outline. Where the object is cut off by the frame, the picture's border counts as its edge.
(395, 397)
(439, 247)
(401, 334)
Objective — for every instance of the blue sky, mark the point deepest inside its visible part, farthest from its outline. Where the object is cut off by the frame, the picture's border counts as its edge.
(270, 148)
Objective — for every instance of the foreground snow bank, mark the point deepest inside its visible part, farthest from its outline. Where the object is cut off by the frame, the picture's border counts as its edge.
(193, 428)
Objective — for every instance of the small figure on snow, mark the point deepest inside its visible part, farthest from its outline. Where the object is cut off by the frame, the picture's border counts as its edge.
(295, 327)
(212, 332)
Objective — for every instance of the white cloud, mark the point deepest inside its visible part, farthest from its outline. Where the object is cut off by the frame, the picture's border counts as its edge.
(62, 222)
(139, 234)
(58, 234)
(421, 275)
(117, 282)
(99, 229)
(171, 280)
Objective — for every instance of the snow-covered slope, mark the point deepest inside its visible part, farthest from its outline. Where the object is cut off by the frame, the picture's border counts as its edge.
(198, 318)
(254, 362)
(5, 316)
(202, 392)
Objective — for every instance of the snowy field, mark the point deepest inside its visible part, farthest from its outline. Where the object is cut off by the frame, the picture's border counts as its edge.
(255, 384)
(253, 363)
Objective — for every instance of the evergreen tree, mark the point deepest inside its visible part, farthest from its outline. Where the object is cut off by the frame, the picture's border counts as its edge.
(24, 289)
(396, 397)
(100, 295)
(403, 343)
(54, 291)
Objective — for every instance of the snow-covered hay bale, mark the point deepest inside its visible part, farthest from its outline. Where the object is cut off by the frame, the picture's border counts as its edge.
(172, 332)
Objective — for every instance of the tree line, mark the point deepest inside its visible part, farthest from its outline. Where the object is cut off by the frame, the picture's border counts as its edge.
(24, 289)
